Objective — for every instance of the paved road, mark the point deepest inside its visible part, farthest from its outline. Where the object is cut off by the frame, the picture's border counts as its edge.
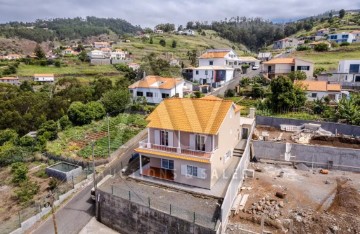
(72, 217)
(234, 82)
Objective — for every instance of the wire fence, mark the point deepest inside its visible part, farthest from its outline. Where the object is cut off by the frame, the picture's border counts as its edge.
(13, 221)
(204, 220)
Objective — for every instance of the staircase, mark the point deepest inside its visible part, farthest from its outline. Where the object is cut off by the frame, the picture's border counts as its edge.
(238, 152)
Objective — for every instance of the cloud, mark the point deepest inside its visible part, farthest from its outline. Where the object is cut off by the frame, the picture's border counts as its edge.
(152, 12)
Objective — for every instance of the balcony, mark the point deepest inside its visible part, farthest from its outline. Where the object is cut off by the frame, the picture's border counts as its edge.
(184, 150)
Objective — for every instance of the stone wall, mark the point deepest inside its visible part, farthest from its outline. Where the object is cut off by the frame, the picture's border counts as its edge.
(125, 216)
(318, 156)
(332, 127)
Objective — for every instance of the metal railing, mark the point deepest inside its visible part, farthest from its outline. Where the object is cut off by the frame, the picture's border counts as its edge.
(179, 150)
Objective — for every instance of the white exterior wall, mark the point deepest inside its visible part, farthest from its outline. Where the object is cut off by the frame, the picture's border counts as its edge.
(344, 67)
(216, 62)
(210, 74)
(320, 95)
(339, 39)
(44, 79)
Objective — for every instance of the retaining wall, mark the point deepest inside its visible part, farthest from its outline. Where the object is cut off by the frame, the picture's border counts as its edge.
(319, 156)
(125, 216)
(332, 127)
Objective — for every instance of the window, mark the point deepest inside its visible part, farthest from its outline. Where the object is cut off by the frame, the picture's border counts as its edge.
(303, 68)
(200, 142)
(167, 164)
(164, 138)
(333, 37)
(206, 72)
(357, 78)
(211, 63)
(197, 72)
(191, 171)
(354, 68)
(292, 68)
(149, 94)
(345, 36)
(313, 95)
(139, 94)
(165, 95)
(131, 91)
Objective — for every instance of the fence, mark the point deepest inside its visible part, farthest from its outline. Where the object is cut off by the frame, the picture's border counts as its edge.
(205, 220)
(26, 217)
(328, 126)
(235, 183)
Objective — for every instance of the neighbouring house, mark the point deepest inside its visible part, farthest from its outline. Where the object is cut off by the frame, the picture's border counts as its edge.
(285, 43)
(96, 54)
(134, 66)
(10, 80)
(157, 88)
(316, 89)
(349, 71)
(341, 37)
(192, 141)
(106, 52)
(283, 66)
(213, 75)
(69, 51)
(313, 44)
(322, 32)
(12, 56)
(310, 38)
(251, 61)
(264, 56)
(188, 32)
(158, 31)
(44, 77)
(119, 54)
(100, 44)
(356, 34)
(220, 57)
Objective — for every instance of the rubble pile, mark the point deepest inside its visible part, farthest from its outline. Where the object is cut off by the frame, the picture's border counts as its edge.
(267, 206)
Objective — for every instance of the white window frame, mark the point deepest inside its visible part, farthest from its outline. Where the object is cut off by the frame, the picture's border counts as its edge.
(198, 137)
(191, 171)
(164, 138)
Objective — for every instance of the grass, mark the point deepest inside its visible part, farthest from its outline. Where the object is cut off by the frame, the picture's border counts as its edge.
(330, 60)
(72, 69)
(244, 103)
(76, 141)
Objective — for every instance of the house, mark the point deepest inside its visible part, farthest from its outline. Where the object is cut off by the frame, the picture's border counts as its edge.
(134, 66)
(356, 34)
(220, 57)
(251, 61)
(12, 56)
(188, 32)
(157, 88)
(285, 43)
(283, 66)
(96, 54)
(158, 31)
(316, 89)
(44, 77)
(68, 51)
(264, 56)
(192, 141)
(313, 44)
(341, 37)
(99, 45)
(214, 75)
(322, 32)
(106, 52)
(10, 80)
(349, 70)
(118, 54)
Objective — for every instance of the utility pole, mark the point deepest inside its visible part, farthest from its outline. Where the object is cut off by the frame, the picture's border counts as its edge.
(52, 198)
(108, 125)
(93, 160)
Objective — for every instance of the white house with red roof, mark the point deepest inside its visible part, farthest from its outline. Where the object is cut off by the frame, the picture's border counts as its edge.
(10, 80)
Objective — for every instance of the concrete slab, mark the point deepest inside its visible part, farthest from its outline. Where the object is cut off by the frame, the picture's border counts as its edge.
(95, 227)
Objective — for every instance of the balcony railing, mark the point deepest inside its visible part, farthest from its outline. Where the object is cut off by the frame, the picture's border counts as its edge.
(184, 150)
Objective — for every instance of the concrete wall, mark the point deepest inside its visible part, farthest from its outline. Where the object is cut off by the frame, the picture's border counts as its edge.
(62, 175)
(319, 156)
(100, 61)
(332, 127)
(127, 217)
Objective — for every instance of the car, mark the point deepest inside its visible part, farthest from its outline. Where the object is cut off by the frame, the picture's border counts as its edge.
(255, 67)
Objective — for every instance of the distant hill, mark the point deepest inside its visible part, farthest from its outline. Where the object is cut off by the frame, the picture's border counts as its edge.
(66, 28)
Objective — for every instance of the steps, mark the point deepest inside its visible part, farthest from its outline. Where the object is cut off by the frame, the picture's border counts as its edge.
(238, 152)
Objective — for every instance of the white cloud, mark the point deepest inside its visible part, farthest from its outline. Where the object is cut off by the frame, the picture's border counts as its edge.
(152, 12)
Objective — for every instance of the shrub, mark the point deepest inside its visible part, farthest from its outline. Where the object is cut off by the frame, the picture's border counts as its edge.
(27, 191)
(64, 122)
(345, 43)
(162, 42)
(321, 47)
(19, 172)
(229, 93)
(302, 48)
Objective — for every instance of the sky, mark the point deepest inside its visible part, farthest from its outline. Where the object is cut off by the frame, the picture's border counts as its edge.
(148, 13)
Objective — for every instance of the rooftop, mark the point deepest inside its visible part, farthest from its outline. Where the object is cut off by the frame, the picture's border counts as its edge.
(157, 82)
(190, 115)
(9, 78)
(216, 53)
(212, 68)
(314, 85)
(46, 75)
(281, 61)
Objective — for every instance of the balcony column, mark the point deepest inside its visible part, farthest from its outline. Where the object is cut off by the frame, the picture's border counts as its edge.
(141, 169)
(148, 145)
(178, 149)
(213, 142)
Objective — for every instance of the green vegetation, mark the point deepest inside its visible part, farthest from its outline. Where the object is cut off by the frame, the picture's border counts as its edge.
(19, 172)
(76, 141)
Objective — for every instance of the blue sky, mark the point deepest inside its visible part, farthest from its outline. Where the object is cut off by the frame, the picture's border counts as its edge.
(152, 12)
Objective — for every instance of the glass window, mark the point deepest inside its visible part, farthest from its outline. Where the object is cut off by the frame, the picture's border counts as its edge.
(313, 95)
(191, 170)
(149, 94)
(139, 94)
(206, 72)
(167, 164)
(200, 142)
(303, 68)
(197, 72)
(164, 138)
(164, 95)
(354, 68)
(211, 63)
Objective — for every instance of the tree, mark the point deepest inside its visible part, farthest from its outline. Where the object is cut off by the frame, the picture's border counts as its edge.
(349, 109)
(180, 28)
(297, 75)
(162, 42)
(321, 47)
(151, 40)
(49, 130)
(285, 95)
(257, 91)
(100, 86)
(39, 52)
(64, 122)
(341, 13)
(78, 113)
(96, 110)
(19, 172)
(229, 93)
(174, 43)
(83, 57)
(318, 71)
(8, 135)
(115, 101)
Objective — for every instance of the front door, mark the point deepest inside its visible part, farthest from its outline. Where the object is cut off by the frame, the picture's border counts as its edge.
(245, 133)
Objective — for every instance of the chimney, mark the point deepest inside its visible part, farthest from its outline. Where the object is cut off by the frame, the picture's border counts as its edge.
(252, 112)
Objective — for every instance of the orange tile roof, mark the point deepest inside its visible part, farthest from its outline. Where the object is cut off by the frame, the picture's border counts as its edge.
(172, 155)
(150, 82)
(281, 61)
(46, 75)
(220, 54)
(356, 31)
(190, 115)
(9, 78)
(314, 85)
